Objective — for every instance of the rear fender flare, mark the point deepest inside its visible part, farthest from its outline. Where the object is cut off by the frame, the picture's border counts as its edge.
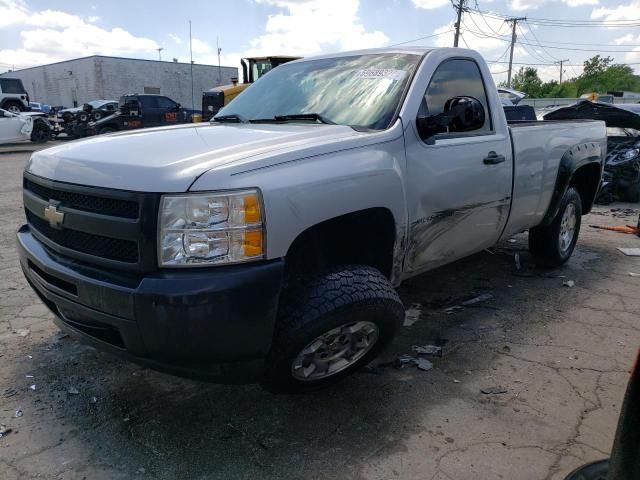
(575, 158)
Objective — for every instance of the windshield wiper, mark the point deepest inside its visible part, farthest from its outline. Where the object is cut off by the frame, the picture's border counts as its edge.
(304, 116)
(231, 118)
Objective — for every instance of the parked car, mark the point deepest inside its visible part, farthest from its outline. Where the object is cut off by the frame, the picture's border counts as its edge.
(13, 96)
(39, 107)
(622, 165)
(16, 127)
(266, 245)
(140, 111)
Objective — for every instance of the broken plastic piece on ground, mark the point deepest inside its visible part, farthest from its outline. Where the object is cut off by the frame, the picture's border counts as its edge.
(33, 387)
(625, 229)
(427, 350)
(424, 364)
(4, 431)
(493, 390)
(631, 274)
(517, 259)
(18, 413)
(22, 332)
(512, 240)
(480, 298)
(568, 283)
(412, 315)
(455, 308)
(630, 252)
(73, 391)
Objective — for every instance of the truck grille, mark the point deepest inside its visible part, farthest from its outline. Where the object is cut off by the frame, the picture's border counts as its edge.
(89, 203)
(105, 227)
(112, 248)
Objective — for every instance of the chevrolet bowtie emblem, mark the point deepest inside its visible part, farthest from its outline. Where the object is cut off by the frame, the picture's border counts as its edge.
(53, 216)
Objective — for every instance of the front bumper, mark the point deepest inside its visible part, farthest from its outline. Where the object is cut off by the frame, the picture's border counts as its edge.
(212, 323)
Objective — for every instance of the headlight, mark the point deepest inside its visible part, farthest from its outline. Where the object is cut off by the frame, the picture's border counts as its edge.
(209, 229)
(630, 154)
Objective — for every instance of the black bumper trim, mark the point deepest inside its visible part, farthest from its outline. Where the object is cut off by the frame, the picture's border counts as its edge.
(213, 323)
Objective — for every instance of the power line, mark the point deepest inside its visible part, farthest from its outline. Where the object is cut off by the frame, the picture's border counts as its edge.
(420, 38)
(563, 22)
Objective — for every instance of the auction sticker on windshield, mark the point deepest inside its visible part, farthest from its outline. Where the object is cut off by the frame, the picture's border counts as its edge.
(381, 73)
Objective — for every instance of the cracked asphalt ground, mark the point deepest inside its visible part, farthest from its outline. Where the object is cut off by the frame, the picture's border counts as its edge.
(562, 355)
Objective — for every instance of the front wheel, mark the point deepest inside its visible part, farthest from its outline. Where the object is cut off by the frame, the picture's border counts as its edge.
(41, 133)
(14, 107)
(551, 246)
(329, 325)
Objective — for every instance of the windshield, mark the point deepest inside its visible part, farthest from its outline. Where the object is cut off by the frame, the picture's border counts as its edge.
(361, 91)
(97, 103)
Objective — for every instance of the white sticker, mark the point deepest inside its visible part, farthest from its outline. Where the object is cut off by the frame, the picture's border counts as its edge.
(382, 73)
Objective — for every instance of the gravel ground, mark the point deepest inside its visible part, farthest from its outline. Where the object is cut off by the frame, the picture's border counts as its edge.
(560, 354)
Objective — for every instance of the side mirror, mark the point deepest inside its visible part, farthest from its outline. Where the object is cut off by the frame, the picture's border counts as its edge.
(461, 114)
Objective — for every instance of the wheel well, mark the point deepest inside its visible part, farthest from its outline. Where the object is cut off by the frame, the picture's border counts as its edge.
(365, 237)
(587, 180)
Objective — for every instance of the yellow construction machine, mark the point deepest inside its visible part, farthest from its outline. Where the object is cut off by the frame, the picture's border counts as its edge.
(252, 69)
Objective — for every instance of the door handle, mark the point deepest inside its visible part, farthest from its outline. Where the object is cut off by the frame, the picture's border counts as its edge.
(493, 158)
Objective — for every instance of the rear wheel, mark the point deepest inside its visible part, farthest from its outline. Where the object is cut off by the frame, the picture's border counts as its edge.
(14, 107)
(329, 325)
(552, 245)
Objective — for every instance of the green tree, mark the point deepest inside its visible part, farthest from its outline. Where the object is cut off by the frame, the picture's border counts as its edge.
(527, 80)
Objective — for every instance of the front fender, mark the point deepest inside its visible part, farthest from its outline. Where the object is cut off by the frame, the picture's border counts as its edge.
(304, 192)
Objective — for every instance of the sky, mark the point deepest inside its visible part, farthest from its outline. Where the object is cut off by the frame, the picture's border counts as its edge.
(36, 32)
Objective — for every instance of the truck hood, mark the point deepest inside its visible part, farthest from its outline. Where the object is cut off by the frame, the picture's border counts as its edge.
(169, 159)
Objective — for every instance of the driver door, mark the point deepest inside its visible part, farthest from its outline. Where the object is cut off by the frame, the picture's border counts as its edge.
(458, 197)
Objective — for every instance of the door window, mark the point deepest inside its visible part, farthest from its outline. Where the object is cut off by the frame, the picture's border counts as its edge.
(148, 103)
(165, 103)
(457, 78)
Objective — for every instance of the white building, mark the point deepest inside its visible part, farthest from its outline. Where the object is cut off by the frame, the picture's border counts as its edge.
(75, 82)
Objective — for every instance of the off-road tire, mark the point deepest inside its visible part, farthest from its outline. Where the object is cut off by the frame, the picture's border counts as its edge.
(97, 116)
(14, 107)
(313, 305)
(41, 132)
(545, 243)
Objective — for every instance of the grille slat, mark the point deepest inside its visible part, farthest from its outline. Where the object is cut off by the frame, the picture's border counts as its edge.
(91, 244)
(107, 206)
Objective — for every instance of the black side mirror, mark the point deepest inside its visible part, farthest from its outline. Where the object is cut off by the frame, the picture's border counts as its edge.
(461, 114)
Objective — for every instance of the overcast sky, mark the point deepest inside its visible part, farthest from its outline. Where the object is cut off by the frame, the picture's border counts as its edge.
(34, 32)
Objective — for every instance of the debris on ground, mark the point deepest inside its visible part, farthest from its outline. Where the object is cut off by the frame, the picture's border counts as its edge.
(73, 391)
(568, 283)
(4, 431)
(512, 240)
(624, 229)
(424, 364)
(412, 315)
(455, 308)
(517, 259)
(630, 252)
(22, 332)
(10, 392)
(631, 274)
(94, 399)
(33, 387)
(480, 298)
(493, 390)
(18, 413)
(427, 350)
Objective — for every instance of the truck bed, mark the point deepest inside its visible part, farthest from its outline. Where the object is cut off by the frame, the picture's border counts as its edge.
(538, 147)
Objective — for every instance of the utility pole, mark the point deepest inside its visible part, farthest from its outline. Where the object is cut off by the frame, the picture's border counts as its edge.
(191, 55)
(561, 62)
(460, 8)
(219, 67)
(514, 21)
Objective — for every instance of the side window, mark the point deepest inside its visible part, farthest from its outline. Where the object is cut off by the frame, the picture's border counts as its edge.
(148, 103)
(11, 85)
(456, 78)
(165, 103)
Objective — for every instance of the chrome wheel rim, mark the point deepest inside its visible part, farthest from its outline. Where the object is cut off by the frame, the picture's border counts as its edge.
(334, 351)
(567, 227)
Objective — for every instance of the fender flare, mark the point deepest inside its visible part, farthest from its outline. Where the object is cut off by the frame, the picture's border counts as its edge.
(575, 158)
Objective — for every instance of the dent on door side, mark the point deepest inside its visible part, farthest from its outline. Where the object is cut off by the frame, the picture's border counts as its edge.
(425, 231)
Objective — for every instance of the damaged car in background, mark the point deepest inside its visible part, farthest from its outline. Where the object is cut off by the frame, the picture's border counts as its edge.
(621, 178)
(17, 127)
(75, 122)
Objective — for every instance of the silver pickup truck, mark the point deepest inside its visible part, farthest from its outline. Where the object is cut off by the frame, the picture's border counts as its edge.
(266, 245)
